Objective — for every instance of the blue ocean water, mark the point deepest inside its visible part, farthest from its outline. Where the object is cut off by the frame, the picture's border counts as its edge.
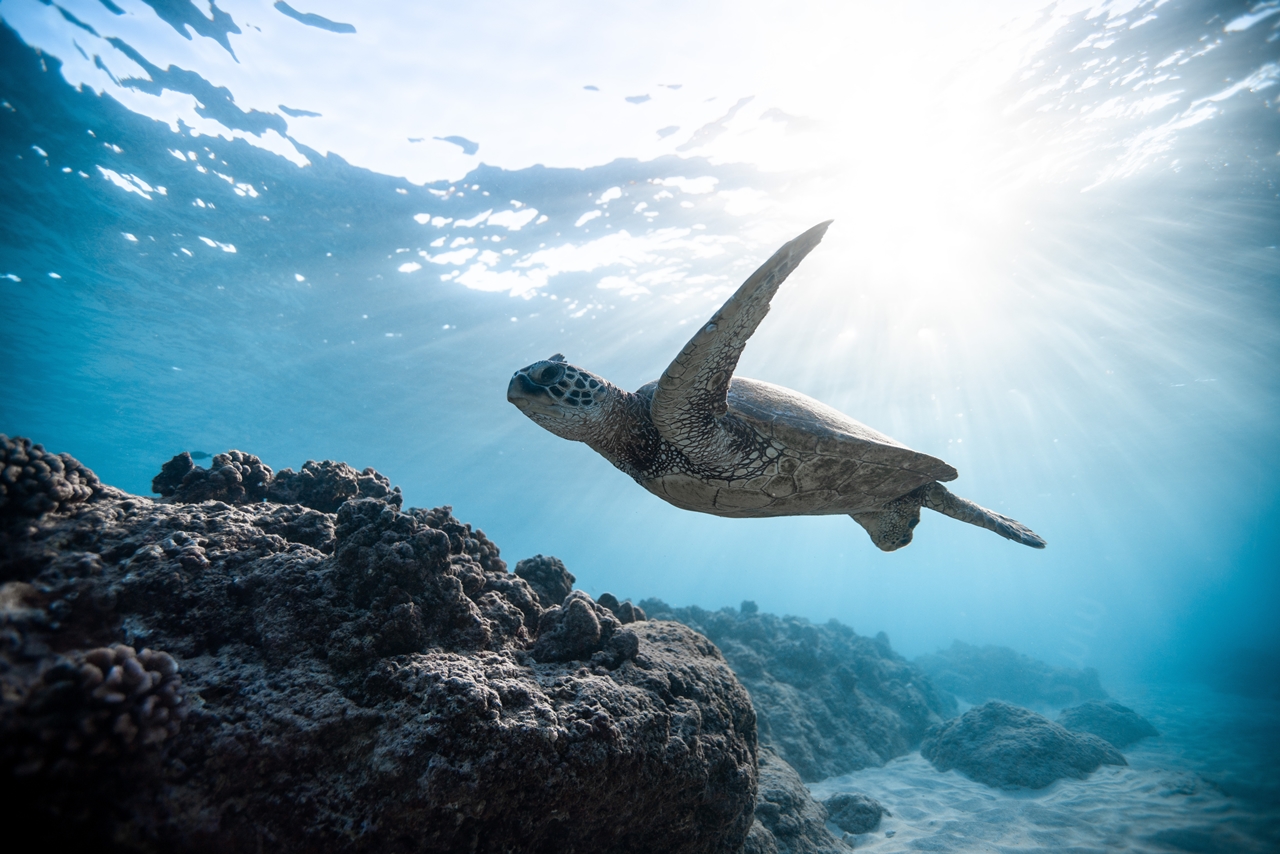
(1054, 265)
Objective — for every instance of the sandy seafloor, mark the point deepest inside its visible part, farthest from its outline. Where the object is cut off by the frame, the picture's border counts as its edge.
(1209, 783)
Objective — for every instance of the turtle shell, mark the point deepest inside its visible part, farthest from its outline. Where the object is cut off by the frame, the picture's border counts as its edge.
(814, 460)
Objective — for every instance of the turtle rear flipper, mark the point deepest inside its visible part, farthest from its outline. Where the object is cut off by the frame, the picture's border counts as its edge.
(892, 525)
(938, 497)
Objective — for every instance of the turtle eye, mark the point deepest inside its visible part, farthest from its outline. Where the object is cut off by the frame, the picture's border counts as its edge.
(548, 374)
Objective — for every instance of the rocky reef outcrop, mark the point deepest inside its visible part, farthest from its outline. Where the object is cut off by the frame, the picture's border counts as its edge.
(1118, 725)
(788, 820)
(977, 674)
(548, 579)
(829, 700)
(218, 671)
(34, 481)
(854, 812)
(239, 478)
(1009, 747)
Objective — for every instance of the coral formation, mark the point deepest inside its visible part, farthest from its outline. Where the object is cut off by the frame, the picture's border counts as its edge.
(854, 812)
(368, 679)
(234, 477)
(624, 611)
(1008, 747)
(548, 578)
(325, 485)
(574, 629)
(1119, 725)
(87, 708)
(829, 700)
(239, 478)
(34, 481)
(788, 819)
(977, 674)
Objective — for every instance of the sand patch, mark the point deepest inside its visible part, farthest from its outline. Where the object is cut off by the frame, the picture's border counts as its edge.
(1115, 809)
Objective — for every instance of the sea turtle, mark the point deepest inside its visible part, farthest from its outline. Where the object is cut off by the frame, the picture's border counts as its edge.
(703, 439)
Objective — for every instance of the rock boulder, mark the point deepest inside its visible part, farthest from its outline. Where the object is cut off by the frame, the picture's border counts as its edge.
(1108, 720)
(829, 700)
(976, 674)
(219, 676)
(1008, 747)
(788, 819)
(854, 812)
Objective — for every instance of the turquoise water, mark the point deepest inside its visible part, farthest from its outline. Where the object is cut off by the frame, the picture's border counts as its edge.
(1054, 265)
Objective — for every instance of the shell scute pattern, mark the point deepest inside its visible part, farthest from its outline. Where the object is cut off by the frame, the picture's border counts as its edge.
(780, 487)
(741, 499)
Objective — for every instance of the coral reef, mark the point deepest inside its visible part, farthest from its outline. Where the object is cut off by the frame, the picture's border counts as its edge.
(829, 700)
(239, 478)
(788, 819)
(1008, 747)
(1119, 725)
(548, 578)
(234, 477)
(624, 611)
(34, 481)
(977, 674)
(84, 708)
(574, 629)
(365, 680)
(325, 485)
(854, 812)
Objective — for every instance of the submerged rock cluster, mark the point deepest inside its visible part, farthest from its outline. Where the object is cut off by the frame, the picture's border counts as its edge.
(294, 658)
(854, 812)
(977, 674)
(34, 481)
(788, 819)
(219, 671)
(239, 478)
(1009, 747)
(1118, 725)
(829, 700)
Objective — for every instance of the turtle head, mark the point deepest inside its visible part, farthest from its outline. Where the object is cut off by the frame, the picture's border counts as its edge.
(569, 401)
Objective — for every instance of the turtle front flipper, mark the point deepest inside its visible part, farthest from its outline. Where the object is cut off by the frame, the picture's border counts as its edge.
(692, 391)
(938, 497)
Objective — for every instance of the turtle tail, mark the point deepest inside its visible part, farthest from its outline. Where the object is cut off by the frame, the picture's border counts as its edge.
(937, 497)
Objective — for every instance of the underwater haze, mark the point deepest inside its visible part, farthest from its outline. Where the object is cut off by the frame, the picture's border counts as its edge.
(334, 231)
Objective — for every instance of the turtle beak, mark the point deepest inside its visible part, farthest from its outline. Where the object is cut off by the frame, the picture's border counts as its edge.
(522, 391)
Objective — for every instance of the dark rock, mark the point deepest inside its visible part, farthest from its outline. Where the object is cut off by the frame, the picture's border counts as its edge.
(239, 478)
(788, 819)
(1008, 747)
(169, 481)
(548, 578)
(574, 629)
(234, 477)
(854, 812)
(324, 486)
(358, 681)
(977, 674)
(65, 713)
(624, 611)
(1108, 720)
(829, 701)
(463, 538)
(34, 481)
(299, 524)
